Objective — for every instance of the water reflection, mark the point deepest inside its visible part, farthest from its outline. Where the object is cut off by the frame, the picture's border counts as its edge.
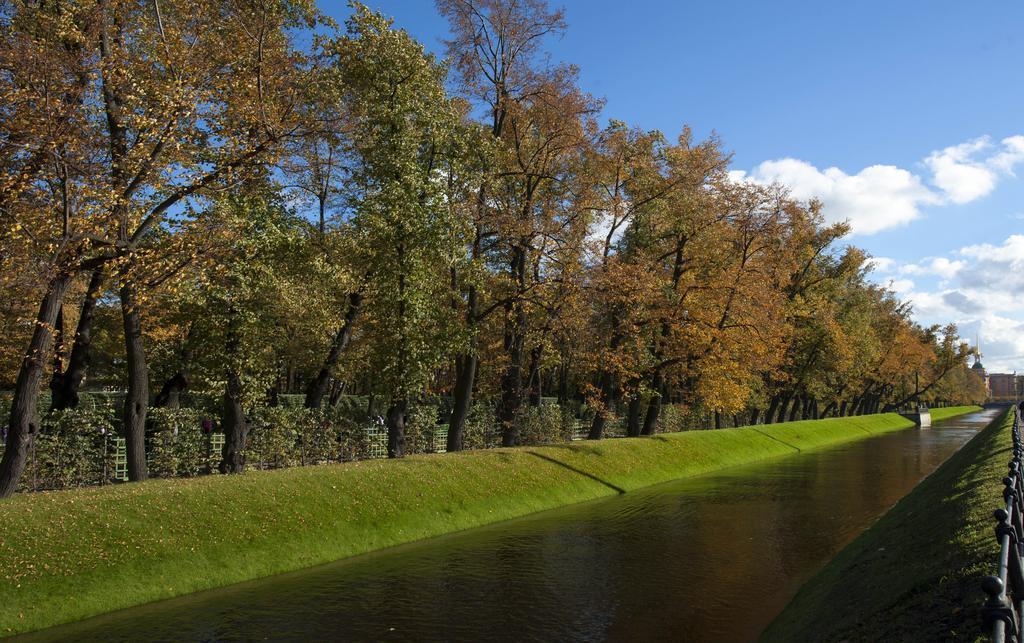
(712, 558)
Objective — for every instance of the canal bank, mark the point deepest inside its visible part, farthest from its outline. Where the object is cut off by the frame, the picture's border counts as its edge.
(915, 574)
(111, 548)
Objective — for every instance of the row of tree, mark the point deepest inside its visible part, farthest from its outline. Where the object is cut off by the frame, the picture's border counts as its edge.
(239, 196)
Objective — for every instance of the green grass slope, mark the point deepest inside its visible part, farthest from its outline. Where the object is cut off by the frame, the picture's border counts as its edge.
(914, 576)
(68, 555)
(950, 411)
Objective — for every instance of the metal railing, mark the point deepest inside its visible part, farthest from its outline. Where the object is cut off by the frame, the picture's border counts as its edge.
(1005, 604)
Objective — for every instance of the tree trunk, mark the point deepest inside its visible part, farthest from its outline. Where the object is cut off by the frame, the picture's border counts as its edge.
(337, 390)
(829, 408)
(597, 426)
(78, 363)
(607, 406)
(236, 429)
(718, 420)
(795, 409)
(396, 429)
(23, 422)
(465, 375)
(466, 363)
(654, 406)
(633, 416)
(533, 381)
(58, 357)
(136, 401)
(773, 406)
(318, 385)
(606, 385)
(563, 383)
(511, 400)
(855, 406)
(514, 344)
(783, 408)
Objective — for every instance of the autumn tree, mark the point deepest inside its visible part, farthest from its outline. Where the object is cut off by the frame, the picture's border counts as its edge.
(120, 113)
(533, 112)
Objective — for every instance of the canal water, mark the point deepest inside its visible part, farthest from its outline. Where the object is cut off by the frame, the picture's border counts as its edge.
(713, 558)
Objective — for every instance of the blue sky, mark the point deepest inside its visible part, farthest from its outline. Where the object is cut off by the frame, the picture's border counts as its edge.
(902, 117)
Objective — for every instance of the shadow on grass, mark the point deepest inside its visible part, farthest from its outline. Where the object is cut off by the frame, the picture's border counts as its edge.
(585, 474)
(768, 435)
(578, 446)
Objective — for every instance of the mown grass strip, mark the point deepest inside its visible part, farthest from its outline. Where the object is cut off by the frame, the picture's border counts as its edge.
(68, 555)
(915, 574)
(948, 412)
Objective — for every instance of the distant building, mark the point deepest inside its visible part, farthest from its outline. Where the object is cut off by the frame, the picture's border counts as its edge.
(999, 387)
(1004, 387)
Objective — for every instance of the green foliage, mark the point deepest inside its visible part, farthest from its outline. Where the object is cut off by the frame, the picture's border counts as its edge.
(482, 428)
(327, 435)
(273, 437)
(318, 438)
(544, 424)
(407, 134)
(207, 403)
(569, 421)
(287, 436)
(178, 447)
(293, 400)
(101, 399)
(422, 429)
(353, 407)
(75, 448)
(673, 419)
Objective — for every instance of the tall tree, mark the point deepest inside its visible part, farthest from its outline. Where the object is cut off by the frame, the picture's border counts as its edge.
(409, 143)
(497, 49)
(119, 114)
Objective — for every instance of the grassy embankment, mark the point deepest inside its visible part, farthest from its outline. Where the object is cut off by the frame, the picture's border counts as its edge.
(915, 574)
(942, 414)
(68, 555)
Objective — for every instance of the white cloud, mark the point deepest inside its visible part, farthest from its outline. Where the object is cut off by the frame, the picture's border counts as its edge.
(880, 197)
(980, 291)
(876, 198)
(939, 266)
(958, 175)
(881, 264)
(964, 172)
(1011, 155)
(901, 286)
(1011, 252)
